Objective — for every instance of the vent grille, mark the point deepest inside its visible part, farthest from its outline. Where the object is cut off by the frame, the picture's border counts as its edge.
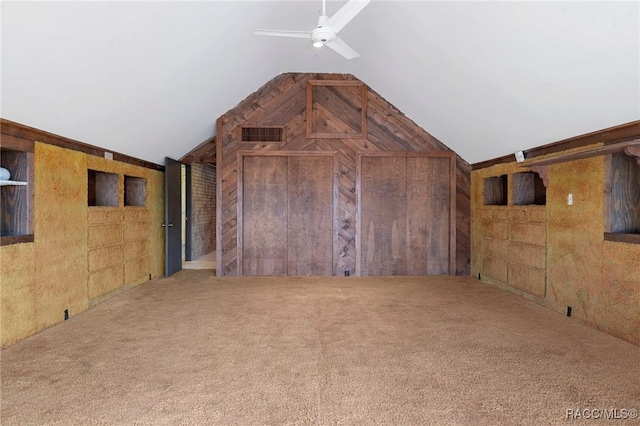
(261, 134)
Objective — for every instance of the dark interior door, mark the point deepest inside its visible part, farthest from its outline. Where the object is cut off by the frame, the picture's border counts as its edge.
(172, 216)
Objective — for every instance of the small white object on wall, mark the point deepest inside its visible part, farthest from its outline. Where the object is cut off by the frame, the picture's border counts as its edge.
(519, 156)
(4, 174)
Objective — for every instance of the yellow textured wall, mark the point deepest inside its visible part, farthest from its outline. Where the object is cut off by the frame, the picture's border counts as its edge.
(60, 209)
(599, 279)
(40, 280)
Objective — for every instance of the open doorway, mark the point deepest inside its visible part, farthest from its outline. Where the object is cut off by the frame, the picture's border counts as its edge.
(199, 216)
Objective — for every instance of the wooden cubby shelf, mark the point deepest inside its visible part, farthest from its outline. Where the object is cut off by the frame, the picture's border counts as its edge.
(496, 191)
(102, 189)
(16, 200)
(622, 213)
(135, 191)
(528, 189)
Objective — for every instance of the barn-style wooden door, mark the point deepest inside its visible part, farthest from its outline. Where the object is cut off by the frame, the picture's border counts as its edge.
(285, 209)
(406, 214)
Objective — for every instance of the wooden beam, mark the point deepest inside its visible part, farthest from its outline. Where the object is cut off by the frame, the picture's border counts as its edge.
(11, 128)
(203, 150)
(15, 143)
(610, 135)
(601, 150)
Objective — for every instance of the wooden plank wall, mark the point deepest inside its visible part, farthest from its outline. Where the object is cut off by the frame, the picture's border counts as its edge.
(283, 102)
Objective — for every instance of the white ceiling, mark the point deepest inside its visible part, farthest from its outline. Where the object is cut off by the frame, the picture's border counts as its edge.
(149, 79)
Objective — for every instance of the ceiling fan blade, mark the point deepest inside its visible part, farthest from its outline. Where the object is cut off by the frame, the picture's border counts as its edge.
(342, 48)
(345, 14)
(279, 33)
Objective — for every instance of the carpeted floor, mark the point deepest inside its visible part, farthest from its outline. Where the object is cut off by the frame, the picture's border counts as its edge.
(197, 350)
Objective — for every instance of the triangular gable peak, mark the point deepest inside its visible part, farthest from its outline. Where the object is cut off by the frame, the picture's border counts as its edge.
(337, 113)
(283, 99)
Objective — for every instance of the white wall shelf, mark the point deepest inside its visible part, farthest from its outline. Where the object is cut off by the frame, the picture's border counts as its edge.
(11, 182)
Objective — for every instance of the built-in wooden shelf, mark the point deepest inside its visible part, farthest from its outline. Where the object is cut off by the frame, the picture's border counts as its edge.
(16, 198)
(528, 189)
(102, 188)
(496, 191)
(12, 182)
(622, 207)
(571, 156)
(622, 238)
(15, 239)
(135, 191)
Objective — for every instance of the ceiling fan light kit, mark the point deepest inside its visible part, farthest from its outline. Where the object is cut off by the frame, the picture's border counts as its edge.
(327, 29)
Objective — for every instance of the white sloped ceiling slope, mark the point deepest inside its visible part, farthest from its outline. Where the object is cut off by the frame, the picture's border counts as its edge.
(149, 79)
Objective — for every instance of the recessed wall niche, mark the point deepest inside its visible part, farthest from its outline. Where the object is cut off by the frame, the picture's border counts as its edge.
(496, 191)
(102, 188)
(16, 198)
(623, 201)
(528, 189)
(135, 191)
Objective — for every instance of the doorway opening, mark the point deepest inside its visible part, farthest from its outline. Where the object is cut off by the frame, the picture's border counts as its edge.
(199, 216)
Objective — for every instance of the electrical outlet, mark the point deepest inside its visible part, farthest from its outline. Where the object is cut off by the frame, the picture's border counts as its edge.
(570, 200)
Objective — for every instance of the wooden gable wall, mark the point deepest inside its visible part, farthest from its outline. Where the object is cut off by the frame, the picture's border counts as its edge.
(317, 118)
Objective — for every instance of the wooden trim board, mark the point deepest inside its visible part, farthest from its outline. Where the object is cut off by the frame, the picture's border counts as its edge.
(610, 135)
(571, 156)
(17, 130)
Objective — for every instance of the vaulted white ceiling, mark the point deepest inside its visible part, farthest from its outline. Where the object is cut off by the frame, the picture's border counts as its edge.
(149, 79)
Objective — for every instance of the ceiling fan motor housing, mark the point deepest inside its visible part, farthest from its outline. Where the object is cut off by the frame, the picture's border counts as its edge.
(323, 35)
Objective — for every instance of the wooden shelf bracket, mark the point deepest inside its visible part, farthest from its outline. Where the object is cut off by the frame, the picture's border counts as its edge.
(543, 172)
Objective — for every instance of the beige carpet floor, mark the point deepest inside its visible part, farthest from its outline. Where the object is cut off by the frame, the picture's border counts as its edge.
(197, 350)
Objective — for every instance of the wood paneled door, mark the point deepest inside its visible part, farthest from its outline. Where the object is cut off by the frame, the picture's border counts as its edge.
(286, 205)
(406, 214)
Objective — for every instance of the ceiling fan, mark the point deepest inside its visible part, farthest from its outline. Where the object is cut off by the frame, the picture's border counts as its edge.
(327, 31)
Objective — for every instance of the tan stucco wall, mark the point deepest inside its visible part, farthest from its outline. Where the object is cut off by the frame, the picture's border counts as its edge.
(599, 279)
(42, 279)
